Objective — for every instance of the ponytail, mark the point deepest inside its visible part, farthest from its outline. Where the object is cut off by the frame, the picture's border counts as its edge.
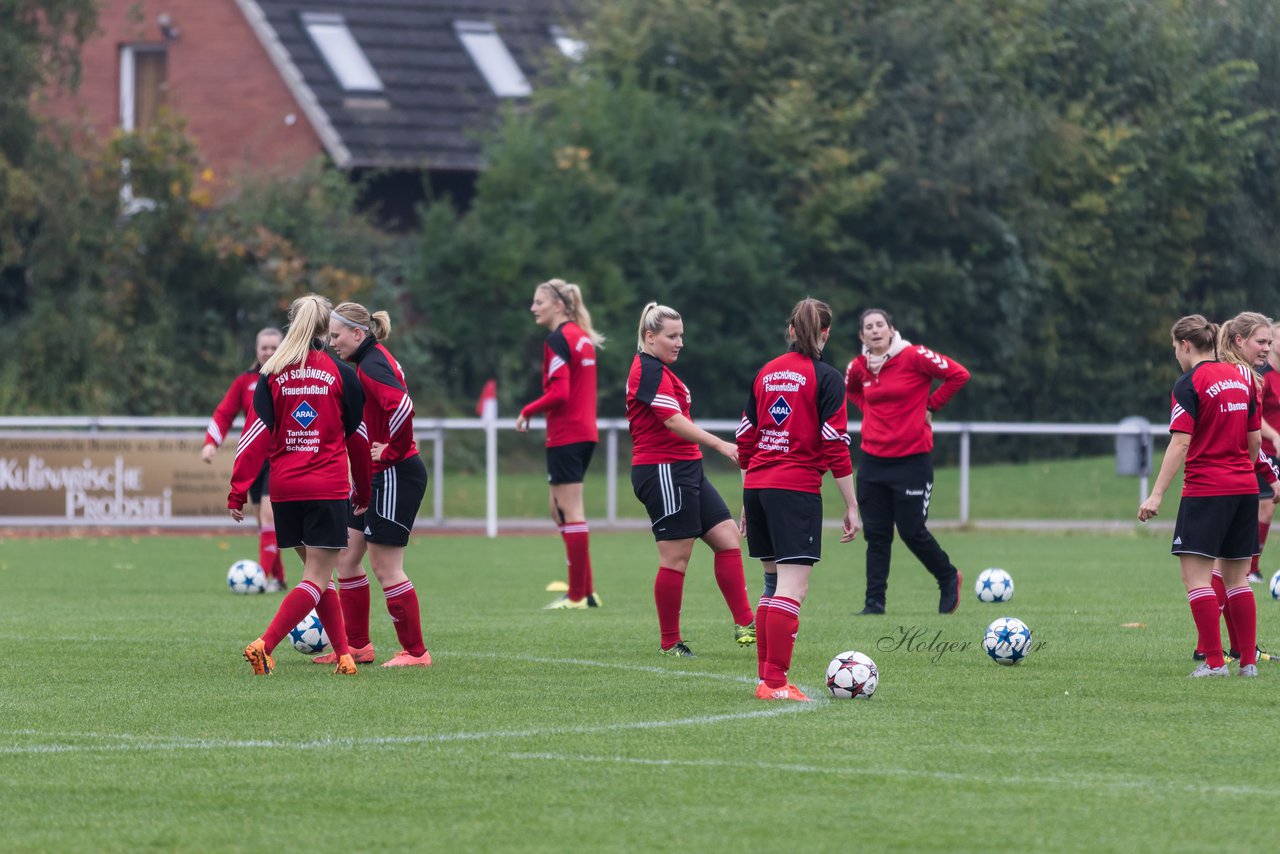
(570, 297)
(308, 320)
(652, 317)
(808, 320)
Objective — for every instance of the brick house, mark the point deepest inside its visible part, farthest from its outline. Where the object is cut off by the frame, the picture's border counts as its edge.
(396, 86)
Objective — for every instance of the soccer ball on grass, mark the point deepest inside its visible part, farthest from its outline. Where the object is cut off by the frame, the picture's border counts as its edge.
(309, 636)
(1008, 640)
(1275, 585)
(994, 585)
(852, 676)
(246, 577)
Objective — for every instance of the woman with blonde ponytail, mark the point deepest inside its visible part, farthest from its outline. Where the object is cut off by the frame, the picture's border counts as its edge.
(307, 411)
(667, 477)
(569, 402)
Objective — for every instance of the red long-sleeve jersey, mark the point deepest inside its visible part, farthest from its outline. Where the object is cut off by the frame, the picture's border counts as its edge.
(1270, 404)
(894, 401)
(569, 387)
(308, 421)
(654, 394)
(238, 399)
(388, 409)
(794, 426)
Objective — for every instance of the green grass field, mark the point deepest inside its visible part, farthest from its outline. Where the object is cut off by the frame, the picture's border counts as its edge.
(129, 721)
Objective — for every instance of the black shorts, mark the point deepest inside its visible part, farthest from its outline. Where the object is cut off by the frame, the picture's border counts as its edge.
(1264, 487)
(784, 526)
(316, 524)
(259, 487)
(569, 463)
(681, 502)
(393, 508)
(1223, 527)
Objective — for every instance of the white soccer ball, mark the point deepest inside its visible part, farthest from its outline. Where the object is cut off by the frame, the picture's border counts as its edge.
(246, 577)
(1275, 585)
(852, 676)
(994, 585)
(1008, 640)
(309, 636)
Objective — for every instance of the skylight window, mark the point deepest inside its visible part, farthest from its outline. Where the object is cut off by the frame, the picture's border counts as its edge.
(341, 51)
(491, 56)
(568, 45)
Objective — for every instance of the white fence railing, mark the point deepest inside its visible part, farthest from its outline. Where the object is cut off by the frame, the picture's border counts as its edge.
(434, 432)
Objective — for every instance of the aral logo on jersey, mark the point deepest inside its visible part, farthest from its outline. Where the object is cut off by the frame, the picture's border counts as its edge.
(780, 410)
(304, 414)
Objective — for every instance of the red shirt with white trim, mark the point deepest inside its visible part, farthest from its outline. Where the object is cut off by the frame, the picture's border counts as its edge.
(308, 420)
(569, 387)
(894, 401)
(654, 394)
(1270, 404)
(238, 399)
(794, 426)
(1217, 404)
(388, 408)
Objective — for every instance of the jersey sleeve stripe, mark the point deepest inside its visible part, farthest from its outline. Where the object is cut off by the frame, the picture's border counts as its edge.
(556, 364)
(744, 425)
(254, 431)
(831, 434)
(401, 414)
(665, 401)
(215, 433)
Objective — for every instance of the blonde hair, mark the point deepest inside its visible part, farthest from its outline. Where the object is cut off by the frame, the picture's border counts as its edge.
(570, 297)
(652, 317)
(1240, 326)
(308, 320)
(807, 321)
(378, 323)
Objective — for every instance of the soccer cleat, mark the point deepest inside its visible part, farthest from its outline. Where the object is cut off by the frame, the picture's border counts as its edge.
(1205, 670)
(786, 692)
(593, 600)
(745, 635)
(1248, 670)
(1263, 655)
(274, 586)
(949, 600)
(1230, 656)
(256, 654)
(564, 603)
(1256, 578)
(346, 666)
(404, 659)
(872, 609)
(361, 655)
(677, 650)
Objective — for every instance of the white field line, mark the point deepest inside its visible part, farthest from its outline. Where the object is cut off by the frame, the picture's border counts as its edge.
(64, 742)
(1092, 782)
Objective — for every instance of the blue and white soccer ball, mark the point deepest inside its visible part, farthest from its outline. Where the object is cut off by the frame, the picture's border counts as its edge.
(1275, 585)
(246, 577)
(994, 585)
(852, 676)
(309, 636)
(1008, 640)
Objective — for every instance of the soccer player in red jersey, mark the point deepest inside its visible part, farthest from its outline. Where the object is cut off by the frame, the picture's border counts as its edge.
(238, 399)
(1258, 348)
(306, 419)
(1214, 429)
(399, 482)
(569, 401)
(667, 477)
(892, 384)
(793, 429)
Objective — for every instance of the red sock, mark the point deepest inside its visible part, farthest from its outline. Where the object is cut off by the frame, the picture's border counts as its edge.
(402, 605)
(762, 636)
(354, 595)
(1204, 610)
(1244, 613)
(1220, 591)
(329, 610)
(668, 591)
(783, 624)
(295, 605)
(577, 548)
(269, 554)
(1264, 528)
(733, 584)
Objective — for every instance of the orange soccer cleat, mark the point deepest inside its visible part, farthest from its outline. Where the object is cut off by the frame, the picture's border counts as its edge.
(786, 692)
(404, 659)
(256, 654)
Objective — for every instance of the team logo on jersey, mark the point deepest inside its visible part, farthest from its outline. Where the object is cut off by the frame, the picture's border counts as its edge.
(304, 414)
(780, 410)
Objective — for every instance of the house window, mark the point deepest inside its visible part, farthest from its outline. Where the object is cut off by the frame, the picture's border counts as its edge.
(143, 78)
(491, 56)
(568, 45)
(341, 52)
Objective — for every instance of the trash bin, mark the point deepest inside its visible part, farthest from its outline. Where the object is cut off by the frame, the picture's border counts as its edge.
(1133, 450)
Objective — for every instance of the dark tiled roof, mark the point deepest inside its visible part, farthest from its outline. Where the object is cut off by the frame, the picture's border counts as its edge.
(435, 98)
